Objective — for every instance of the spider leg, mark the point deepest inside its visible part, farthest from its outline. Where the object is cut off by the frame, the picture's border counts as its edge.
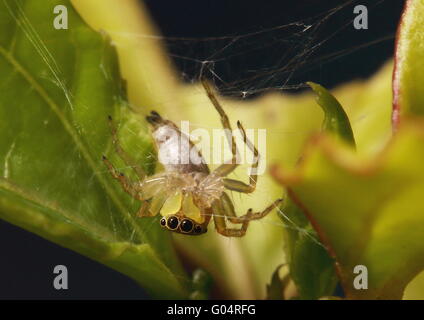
(239, 186)
(232, 217)
(122, 154)
(143, 211)
(126, 184)
(226, 168)
(130, 188)
(221, 226)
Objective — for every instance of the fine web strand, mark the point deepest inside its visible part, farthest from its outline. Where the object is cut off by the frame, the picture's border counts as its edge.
(306, 40)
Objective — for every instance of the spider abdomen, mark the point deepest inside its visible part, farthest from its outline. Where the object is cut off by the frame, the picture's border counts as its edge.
(175, 150)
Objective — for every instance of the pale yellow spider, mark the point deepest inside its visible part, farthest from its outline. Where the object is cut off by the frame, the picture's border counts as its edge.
(188, 195)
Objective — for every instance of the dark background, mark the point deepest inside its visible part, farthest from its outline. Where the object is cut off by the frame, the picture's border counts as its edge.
(250, 45)
(251, 49)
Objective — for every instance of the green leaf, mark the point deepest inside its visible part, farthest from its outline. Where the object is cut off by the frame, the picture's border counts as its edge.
(409, 56)
(366, 211)
(275, 289)
(335, 118)
(201, 285)
(240, 267)
(58, 87)
(311, 267)
(93, 201)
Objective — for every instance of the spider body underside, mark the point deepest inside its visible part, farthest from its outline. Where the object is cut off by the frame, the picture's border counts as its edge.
(187, 194)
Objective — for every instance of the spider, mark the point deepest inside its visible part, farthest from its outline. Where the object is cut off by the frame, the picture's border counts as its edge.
(189, 195)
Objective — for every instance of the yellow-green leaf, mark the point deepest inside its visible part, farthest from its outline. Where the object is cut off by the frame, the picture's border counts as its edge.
(367, 211)
(409, 63)
(68, 153)
(336, 120)
(58, 87)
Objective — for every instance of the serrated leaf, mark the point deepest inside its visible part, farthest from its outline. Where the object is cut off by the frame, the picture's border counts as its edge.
(58, 86)
(367, 211)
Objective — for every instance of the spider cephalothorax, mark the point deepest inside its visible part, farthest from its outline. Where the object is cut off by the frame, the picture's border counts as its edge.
(187, 194)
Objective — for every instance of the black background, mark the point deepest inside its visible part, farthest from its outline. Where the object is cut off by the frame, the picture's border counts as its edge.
(27, 261)
(249, 63)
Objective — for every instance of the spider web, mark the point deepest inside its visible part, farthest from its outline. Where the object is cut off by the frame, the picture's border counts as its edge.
(291, 52)
(246, 63)
(282, 57)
